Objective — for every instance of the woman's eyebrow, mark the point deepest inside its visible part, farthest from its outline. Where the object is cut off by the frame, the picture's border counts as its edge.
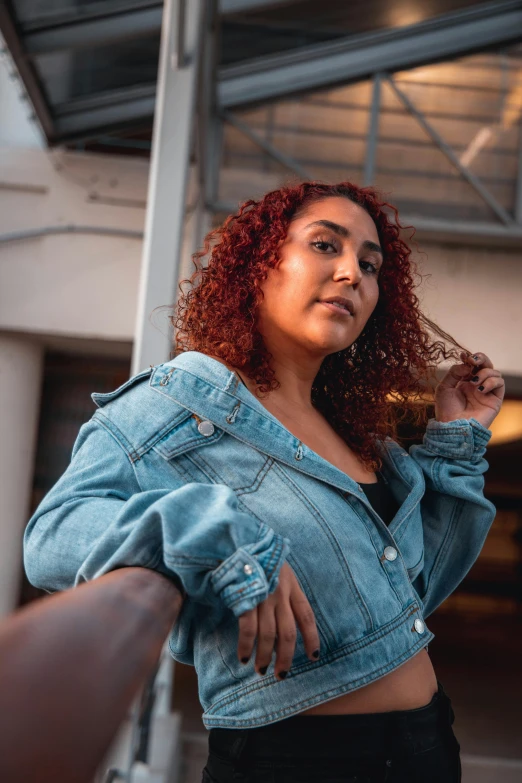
(335, 227)
(342, 231)
(369, 245)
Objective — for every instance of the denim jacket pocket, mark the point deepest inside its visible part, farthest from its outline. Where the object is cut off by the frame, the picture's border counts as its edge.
(189, 433)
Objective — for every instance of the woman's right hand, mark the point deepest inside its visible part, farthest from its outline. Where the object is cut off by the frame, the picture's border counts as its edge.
(278, 616)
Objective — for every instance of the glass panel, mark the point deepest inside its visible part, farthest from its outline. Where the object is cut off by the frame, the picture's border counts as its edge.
(30, 11)
(76, 74)
(290, 26)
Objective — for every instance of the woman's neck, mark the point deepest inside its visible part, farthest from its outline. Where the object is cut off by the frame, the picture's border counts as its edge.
(295, 378)
(295, 374)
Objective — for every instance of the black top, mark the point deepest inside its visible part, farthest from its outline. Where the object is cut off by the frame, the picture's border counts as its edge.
(381, 499)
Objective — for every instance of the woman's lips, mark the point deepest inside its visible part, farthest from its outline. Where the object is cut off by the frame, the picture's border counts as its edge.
(337, 309)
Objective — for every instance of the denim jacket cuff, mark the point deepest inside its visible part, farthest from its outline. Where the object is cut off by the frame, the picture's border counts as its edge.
(459, 439)
(247, 577)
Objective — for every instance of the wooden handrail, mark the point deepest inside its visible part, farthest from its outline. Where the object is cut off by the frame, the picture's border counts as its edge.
(70, 666)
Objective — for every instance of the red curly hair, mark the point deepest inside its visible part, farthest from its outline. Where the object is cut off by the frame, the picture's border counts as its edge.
(394, 355)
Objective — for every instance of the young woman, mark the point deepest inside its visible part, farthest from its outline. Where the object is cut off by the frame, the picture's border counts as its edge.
(258, 469)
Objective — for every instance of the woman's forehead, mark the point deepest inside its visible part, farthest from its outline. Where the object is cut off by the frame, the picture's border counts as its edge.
(339, 210)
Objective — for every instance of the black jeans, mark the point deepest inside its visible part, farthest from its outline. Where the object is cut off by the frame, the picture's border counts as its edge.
(408, 746)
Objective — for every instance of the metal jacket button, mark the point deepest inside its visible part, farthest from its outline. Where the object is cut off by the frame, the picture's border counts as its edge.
(205, 428)
(247, 568)
(419, 626)
(390, 553)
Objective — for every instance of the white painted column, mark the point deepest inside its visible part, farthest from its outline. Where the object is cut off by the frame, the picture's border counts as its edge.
(21, 367)
(180, 53)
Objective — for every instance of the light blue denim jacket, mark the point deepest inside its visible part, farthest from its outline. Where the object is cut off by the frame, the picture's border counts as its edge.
(183, 470)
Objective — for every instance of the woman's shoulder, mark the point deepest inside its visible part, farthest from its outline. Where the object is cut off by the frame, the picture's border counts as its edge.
(156, 401)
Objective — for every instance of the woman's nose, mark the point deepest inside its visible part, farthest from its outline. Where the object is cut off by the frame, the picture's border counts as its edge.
(348, 269)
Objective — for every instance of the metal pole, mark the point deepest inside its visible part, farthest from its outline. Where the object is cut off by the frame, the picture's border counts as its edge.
(373, 131)
(518, 195)
(173, 122)
(209, 122)
(473, 180)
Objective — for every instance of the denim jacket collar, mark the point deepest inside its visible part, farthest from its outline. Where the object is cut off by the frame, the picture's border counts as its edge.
(213, 392)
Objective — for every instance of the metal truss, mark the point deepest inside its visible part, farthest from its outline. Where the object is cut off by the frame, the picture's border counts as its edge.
(356, 58)
(430, 225)
(464, 171)
(265, 145)
(101, 25)
(373, 131)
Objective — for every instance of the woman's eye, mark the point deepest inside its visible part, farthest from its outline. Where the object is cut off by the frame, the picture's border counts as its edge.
(368, 267)
(322, 245)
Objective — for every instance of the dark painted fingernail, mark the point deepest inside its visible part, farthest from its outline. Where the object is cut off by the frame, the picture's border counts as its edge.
(481, 388)
(263, 670)
(475, 378)
(245, 660)
(282, 675)
(477, 357)
(316, 653)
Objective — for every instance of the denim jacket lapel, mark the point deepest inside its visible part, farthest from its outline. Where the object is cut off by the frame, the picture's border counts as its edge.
(212, 392)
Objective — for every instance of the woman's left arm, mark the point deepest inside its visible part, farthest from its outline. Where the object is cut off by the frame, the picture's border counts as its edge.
(456, 516)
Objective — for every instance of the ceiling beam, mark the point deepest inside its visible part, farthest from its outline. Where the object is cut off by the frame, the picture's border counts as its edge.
(26, 72)
(358, 57)
(244, 6)
(78, 33)
(103, 27)
(84, 117)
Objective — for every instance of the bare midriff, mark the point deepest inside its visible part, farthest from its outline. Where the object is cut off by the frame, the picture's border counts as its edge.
(410, 686)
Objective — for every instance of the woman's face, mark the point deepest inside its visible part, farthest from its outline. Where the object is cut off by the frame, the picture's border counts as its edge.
(320, 296)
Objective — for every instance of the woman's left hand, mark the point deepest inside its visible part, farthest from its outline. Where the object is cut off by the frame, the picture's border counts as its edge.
(471, 390)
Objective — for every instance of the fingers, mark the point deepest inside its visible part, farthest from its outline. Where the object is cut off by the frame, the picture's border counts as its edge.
(477, 360)
(247, 635)
(460, 373)
(480, 376)
(455, 375)
(488, 380)
(266, 635)
(274, 622)
(491, 383)
(305, 619)
(286, 639)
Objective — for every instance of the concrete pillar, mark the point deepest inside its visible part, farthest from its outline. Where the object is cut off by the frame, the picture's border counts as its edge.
(21, 366)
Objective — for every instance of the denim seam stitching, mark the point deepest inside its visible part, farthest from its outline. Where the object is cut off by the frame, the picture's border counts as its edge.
(323, 626)
(231, 430)
(172, 424)
(371, 530)
(188, 445)
(306, 502)
(441, 557)
(342, 652)
(109, 426)
(252, 487)
(236, 696)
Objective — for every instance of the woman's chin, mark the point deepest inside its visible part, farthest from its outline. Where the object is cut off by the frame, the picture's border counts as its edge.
(325, 345)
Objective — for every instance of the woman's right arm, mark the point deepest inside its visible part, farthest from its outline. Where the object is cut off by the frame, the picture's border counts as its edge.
(97, 518)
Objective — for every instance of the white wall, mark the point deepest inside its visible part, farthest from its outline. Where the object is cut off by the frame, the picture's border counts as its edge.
(18, 126)
(474, 293)
(77, 284)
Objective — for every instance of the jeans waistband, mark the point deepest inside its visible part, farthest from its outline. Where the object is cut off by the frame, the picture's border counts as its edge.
(340, 736)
